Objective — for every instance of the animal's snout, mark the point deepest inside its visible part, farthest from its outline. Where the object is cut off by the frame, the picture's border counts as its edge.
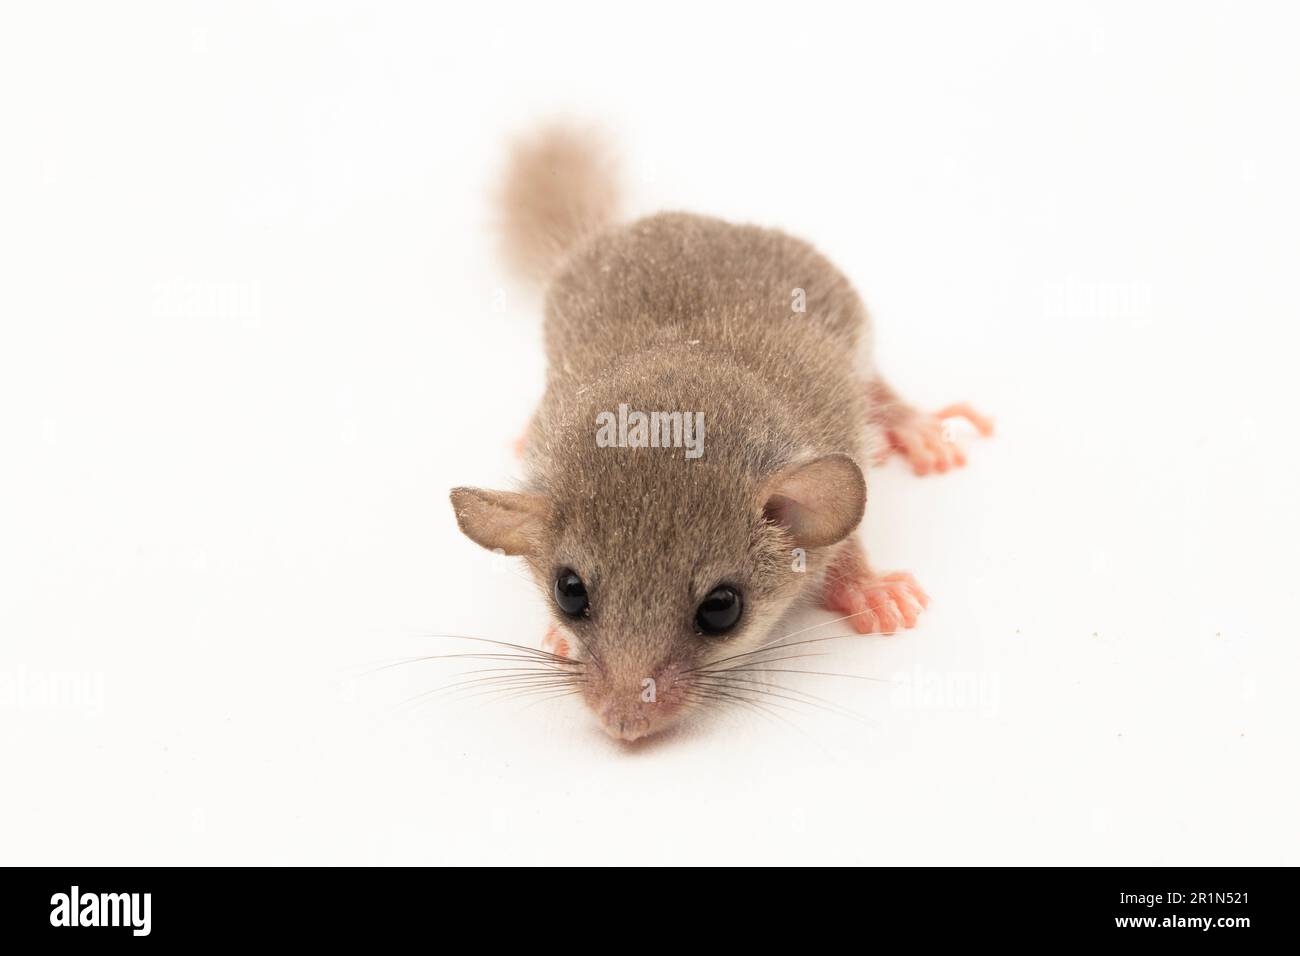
(629, 710)
(623, 722)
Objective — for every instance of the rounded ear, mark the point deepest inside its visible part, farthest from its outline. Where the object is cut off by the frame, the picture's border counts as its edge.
(819, 502)
(500, 520)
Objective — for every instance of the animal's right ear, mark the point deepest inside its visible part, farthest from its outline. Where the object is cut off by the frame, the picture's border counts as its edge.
(500, 520)
(819, 502)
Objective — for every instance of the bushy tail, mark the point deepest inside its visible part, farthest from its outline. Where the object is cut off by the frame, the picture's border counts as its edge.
(561, 186)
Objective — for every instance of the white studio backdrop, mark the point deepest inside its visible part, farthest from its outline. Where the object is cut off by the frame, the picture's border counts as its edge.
(252, 329)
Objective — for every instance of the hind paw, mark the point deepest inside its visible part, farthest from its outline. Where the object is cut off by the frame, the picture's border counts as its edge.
(926, 442)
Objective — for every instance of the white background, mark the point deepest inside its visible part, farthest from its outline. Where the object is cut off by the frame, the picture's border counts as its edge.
(253, 329)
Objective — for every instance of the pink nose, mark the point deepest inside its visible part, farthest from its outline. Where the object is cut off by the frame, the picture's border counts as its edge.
(629, 709)
(624, 721)
(629, 717)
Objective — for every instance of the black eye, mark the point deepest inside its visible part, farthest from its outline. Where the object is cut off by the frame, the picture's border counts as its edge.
(720, 611)
(570, 593)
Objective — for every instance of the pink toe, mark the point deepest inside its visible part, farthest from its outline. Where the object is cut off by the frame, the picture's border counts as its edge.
(885, 611)
(907, 607)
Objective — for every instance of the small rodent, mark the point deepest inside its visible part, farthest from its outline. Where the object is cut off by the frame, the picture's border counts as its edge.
(668, 544)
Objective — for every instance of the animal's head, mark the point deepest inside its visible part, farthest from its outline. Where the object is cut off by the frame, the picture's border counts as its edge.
(659, 568)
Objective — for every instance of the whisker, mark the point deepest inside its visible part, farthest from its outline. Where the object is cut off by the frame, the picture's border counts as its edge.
(714, 697)
(503, 681)
(541, 671)
(554, 696)
(791, 670)
(766, 660)
(768, 699)
(535, 651)
(503, 694)
(777, 645)
(811, 700)
(838, 620)
(723, 699)
(521, 679)
(825, 703)
(509, 692)
(469, 656)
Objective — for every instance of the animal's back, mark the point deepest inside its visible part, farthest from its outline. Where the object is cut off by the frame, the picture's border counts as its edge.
(711, 294)
(676, 277)
(650, 305)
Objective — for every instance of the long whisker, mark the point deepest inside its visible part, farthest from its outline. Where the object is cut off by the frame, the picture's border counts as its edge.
(471, 656)
(554, 696)
(776, 646)
(791, 670)
(544, 671)
(770, 699)
(724, 692)
(715, 697)
(510, 691)
(518, 671)
(535, 651)
(505, 680)
(496, 694)
(838, 620)
(772, 690)
(708, 669)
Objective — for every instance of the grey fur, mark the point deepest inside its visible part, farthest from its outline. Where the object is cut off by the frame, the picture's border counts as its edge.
(684, 313)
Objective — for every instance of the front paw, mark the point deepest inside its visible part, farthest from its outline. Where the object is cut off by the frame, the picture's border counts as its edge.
(876, 604)
(555, 643)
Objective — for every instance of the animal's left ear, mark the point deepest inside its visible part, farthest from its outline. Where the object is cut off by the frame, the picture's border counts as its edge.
(819, 502)
(504, 520)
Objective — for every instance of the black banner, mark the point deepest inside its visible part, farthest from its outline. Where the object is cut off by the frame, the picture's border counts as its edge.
(138, 907)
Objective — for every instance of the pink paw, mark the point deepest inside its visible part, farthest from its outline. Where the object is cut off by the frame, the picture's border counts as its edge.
(877, 603)
(553, 642)
(925, 443)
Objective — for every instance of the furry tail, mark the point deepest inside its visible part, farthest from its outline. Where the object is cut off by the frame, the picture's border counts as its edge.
(561, 186)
